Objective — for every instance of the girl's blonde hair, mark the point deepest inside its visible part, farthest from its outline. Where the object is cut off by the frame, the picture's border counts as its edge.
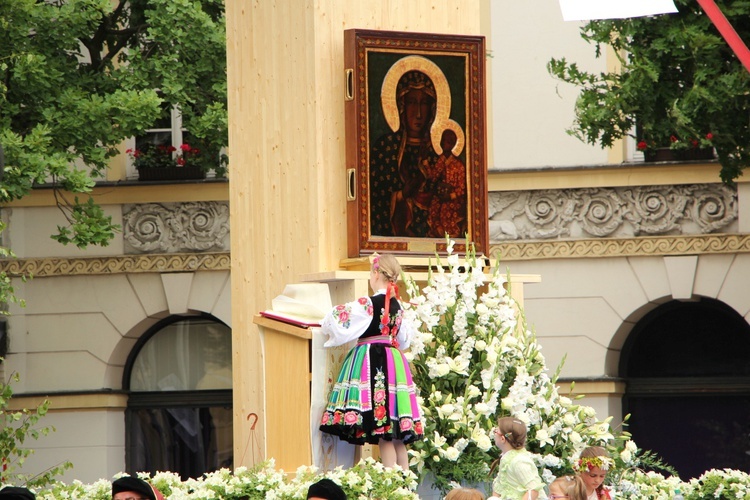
(572, 487)
(387, 265)
(464, 494)
(513, 430)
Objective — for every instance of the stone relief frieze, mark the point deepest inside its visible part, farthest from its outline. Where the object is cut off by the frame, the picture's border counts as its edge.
(176, 227)
(612, 212)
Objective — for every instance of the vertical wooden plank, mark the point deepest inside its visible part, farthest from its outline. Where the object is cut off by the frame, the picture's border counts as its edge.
(285, 72)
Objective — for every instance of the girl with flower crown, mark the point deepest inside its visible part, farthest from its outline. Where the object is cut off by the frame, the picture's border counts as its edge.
(374, 399)
(591, 471)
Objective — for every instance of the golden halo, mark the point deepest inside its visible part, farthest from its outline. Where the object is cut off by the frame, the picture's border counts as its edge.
(437, 133)
(442, 91)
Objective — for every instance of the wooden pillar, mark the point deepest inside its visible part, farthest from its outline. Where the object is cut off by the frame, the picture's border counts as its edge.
(286, 148)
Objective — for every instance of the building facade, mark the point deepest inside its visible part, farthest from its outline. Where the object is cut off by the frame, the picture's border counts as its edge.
(620, 244)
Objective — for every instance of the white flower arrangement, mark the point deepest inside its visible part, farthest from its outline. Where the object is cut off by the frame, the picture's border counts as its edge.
(367, 479)
(475, 360)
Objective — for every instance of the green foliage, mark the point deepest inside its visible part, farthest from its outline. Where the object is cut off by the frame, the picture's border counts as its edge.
(17, 427)
(725, 484)
(77, 77)
(680, 84)
(88, 225)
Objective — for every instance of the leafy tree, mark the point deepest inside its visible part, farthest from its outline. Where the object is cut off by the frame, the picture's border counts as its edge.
(77, 77)
(16, 427)
(680, 85)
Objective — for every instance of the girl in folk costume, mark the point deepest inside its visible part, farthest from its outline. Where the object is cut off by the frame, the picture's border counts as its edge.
(591, 470)
(374, 399)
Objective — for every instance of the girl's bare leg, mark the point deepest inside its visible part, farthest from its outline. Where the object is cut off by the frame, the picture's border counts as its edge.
(388, 453)
(402, 456)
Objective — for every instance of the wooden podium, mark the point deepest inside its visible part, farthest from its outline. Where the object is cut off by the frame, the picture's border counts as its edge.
(287, 362)
(290, 364)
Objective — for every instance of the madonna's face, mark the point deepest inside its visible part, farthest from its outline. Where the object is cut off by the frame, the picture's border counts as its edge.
(418, 112)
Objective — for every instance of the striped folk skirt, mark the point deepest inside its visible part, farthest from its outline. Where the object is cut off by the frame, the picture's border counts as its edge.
(374, 396)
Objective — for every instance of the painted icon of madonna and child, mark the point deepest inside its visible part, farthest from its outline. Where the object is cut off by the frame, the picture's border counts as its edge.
(417, 176)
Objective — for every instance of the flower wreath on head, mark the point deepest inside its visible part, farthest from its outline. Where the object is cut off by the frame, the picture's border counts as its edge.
(588, 463)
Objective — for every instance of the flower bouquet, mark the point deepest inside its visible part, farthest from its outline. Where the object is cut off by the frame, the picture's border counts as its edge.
(475, 360)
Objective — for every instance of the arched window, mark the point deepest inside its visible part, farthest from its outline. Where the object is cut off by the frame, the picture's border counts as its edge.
(179, 415)
(687, 368)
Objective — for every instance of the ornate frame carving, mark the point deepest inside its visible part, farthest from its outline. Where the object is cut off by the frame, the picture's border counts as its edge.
(394, 165)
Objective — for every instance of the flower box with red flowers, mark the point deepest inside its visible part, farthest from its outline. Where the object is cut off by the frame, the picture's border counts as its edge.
(162, 163)
(691, 149)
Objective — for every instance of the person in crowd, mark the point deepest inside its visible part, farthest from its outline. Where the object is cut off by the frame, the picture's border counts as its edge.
(567, 488)
(517, 476)
(325, 489)
(16, 493)
(464, 494)
(128, 487)
(592, 468)
(374, 399)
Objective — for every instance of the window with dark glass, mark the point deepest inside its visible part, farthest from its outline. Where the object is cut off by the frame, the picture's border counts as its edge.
(179, 415)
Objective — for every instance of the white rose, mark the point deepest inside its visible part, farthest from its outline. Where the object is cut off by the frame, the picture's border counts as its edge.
(484, 443)
(575, 437)
(626, 455)
(480, 345)
(452, 454)
(447, 409)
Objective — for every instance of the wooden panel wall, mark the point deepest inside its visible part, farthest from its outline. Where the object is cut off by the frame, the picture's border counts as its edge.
(286, 148)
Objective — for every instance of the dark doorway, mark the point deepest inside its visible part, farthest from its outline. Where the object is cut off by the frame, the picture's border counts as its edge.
(687, 367)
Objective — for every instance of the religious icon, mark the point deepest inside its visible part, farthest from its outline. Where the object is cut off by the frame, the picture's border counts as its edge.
(415, 142)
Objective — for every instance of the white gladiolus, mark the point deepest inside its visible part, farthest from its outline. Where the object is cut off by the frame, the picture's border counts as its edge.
(473, 391)
(482, 409)
(480, 347)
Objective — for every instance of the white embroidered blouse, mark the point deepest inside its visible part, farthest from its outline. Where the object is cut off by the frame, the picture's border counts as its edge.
(347, 322)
